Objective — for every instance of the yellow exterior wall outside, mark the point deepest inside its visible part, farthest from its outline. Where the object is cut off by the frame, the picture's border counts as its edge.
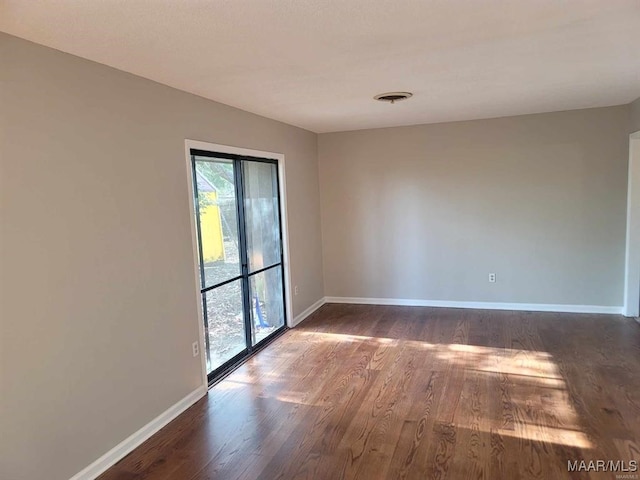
(211, 229)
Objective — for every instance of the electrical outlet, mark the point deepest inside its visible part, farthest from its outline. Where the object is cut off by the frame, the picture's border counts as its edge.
(195, 347)
(492, 278)
(296, 290)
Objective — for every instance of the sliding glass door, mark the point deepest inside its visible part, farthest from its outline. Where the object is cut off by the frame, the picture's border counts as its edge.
(237, 207)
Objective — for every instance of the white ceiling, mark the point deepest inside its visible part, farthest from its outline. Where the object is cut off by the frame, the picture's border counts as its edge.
(318, 63)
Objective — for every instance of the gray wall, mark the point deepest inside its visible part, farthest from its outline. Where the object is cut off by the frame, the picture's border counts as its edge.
(427, 212)
(634, 108)
(98, 305)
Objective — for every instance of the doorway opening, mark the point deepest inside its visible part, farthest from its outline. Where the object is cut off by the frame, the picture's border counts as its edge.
(632, 258)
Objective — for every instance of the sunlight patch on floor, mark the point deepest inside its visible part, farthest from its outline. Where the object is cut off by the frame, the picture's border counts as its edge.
(537, 433)
(532, 380)
(227, 385)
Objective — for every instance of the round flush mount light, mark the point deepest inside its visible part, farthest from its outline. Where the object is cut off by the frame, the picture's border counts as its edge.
(393, 97)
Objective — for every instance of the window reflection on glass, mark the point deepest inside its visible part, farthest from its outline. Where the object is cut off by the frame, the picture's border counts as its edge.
(267, 308)
(261, 214)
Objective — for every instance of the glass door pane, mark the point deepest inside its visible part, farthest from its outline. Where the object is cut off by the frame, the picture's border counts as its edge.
(220, 266)
(225, 314)
(262, 215)
(264, 251)
(267, 301)
(218, 215)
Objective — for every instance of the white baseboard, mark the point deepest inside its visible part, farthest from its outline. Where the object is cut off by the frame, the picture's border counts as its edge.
(135, 440)
(531, 307)
(307, 312)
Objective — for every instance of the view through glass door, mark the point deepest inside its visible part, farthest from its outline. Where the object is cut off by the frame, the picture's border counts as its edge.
(237, 207)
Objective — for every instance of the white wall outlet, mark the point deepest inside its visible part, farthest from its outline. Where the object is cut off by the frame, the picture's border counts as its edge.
(195, 347)
(296, 290)
(492, 278)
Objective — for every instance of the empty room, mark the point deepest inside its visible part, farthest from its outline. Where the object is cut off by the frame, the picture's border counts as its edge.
(355, 239)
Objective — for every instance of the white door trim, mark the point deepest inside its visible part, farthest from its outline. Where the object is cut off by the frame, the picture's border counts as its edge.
(632, 256)
(215, 147)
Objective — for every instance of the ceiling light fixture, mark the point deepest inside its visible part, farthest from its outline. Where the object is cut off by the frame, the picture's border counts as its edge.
(393, 97)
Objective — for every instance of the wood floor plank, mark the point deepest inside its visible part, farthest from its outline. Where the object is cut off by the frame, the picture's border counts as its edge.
(368, 392)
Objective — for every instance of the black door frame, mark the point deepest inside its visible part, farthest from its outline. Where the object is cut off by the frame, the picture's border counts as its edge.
(238, 167)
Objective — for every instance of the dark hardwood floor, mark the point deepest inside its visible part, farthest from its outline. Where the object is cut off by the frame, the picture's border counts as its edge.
(376, 392)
